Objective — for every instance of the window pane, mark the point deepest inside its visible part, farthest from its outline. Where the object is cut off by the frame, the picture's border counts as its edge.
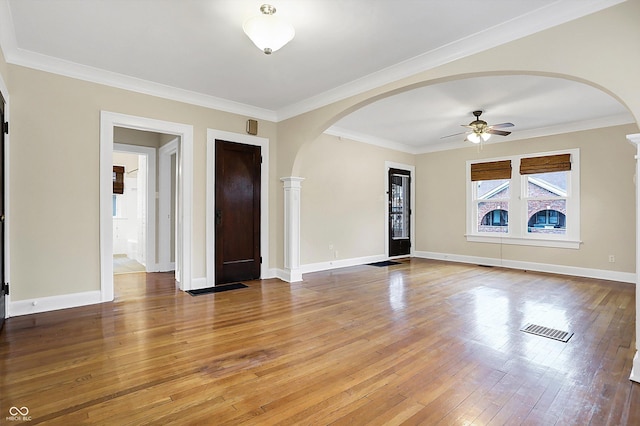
(399, 207)
(493, 216)
(547, 216)
(486, 189)
(547, 185)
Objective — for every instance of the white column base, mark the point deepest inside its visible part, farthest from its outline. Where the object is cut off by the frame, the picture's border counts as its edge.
(289, 275)
(635, 369)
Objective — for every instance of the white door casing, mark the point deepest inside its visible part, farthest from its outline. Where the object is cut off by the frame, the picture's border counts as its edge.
(109, 120)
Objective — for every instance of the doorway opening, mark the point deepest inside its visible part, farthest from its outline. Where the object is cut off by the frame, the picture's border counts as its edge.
(133, 213)
(183, 189)
(400, 224)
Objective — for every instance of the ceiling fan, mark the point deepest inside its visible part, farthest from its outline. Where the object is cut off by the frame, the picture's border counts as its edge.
(480, 130)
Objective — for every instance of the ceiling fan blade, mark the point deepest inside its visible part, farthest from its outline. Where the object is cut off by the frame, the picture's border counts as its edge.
(501, 125)
(455, 134)
(498, 132)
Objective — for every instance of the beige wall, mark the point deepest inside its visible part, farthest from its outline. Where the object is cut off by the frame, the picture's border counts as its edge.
(343, 199)
(3, 70)
(139, 137)
(56, 120)
(564, 51)
(607, 167)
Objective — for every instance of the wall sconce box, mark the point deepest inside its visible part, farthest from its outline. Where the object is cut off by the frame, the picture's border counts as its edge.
(252, 127)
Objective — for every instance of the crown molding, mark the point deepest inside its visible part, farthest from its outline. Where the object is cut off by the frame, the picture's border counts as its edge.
(576, 126)
(17, 56)
(370, 139)
(546, 17)
(95, 75)
(541, 19)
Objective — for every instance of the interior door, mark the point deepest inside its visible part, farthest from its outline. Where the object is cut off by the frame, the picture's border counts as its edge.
(237, 212)
(3, 285)
(399, 212)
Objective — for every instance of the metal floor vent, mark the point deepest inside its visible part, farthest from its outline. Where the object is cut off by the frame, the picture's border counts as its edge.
(551, 333)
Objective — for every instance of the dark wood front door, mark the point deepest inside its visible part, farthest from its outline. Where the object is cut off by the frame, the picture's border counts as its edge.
(399, 212)
(237, 212)
(3, 285)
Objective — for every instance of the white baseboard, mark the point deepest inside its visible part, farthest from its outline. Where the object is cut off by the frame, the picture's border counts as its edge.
(635, 369)
(53, 303)
(163, 267)
(283, 275)
(342, 263)
(269, 273)
(289, 275)
(625, 277)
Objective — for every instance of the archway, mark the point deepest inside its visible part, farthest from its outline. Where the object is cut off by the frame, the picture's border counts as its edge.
(312, 155)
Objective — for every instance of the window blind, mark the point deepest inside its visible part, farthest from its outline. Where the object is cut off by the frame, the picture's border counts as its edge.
(546, 164)
(491, 170)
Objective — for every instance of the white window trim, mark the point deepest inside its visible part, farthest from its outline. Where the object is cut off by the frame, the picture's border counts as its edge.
(518, 234)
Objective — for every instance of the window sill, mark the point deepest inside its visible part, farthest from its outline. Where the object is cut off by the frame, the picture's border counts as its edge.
(539, 242)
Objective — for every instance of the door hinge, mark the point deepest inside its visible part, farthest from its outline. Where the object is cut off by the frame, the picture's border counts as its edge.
(260, 259)
(6, 288)
(5, 127)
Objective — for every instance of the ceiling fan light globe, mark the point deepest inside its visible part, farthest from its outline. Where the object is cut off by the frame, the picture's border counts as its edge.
(268, 32)
(485, 136)
(473, 137)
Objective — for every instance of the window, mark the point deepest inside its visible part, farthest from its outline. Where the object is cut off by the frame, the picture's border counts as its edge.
(118, 206)
(547, 222)
(495, 218)
(535, 202)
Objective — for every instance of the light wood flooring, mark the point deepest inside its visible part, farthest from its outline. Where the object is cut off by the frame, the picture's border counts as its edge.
(424, 342)
(123, 265)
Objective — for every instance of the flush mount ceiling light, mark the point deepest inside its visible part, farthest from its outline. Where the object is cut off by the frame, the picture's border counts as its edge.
(268, 32)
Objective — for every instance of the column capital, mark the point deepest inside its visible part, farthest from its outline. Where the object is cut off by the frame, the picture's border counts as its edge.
(292, 181)
(634, 138)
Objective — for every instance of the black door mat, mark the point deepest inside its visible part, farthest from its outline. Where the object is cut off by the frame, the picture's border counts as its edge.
(216, 289)
(384, 263)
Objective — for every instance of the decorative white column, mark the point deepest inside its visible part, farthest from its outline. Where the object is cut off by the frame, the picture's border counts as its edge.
(292, 186)
(635, 370)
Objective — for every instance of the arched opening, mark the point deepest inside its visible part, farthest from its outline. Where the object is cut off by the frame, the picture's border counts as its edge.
(455, 103)
(341, 202)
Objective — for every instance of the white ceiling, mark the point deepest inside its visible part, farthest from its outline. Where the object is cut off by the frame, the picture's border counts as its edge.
(195, 51)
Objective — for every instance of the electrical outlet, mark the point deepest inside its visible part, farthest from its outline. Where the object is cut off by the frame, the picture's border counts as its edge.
(612, 258)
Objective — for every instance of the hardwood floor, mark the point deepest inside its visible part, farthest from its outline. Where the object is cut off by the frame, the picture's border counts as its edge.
(424, 342)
